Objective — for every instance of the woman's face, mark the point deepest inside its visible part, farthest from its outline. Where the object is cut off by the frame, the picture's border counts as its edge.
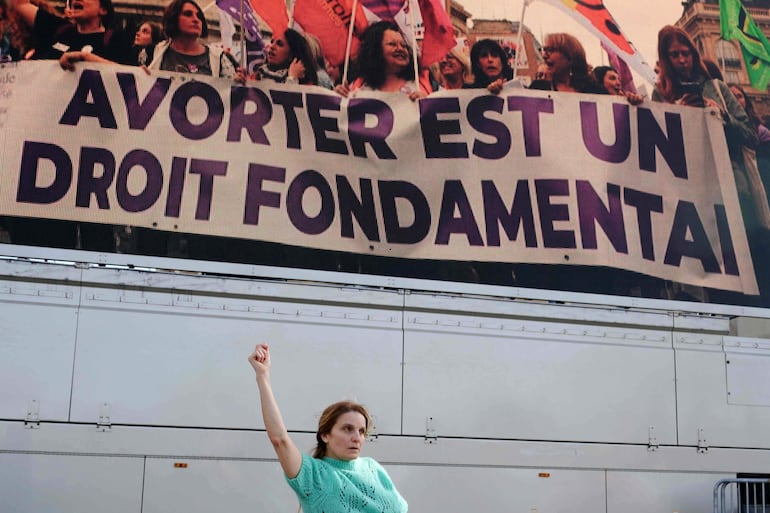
(612, 83)
(143, 36)
(450, 66)
(190, 23)
(347, 437)
(491, 64)
(394, 51)
(558, 63)
(739, 96)
(680, 58)
(279, 53)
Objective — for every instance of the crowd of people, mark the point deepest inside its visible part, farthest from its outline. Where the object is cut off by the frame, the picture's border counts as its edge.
(385, 61)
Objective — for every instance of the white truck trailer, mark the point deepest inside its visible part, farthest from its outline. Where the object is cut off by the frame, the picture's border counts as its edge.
(124, 387)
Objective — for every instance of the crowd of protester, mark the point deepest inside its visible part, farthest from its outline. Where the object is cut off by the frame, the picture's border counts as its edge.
(32, 29)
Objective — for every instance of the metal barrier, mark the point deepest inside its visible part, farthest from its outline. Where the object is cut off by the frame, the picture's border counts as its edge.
(742, 495)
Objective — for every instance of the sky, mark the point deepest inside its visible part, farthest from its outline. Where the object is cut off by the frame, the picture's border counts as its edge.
(639, 20)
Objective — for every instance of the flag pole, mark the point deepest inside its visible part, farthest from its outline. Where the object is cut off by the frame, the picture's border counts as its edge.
(519, 38)
(349, 42)
(243, 40)
(414, 45)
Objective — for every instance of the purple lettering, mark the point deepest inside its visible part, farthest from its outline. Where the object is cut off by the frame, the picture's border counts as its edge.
(644, 204)
(592, 210)
(146, 161)
(491, 127)
(390, 192)
(651, 136)
(31, 155)
(432, 129)
(617, 152)
(361, 207)
(175, 186)
(207, 169)
(90, 84)
(519, 216)
(726, 242)
(214, 106)
(88, 183)
(256, 196)
(289, 101)
(360, 134)
(321, 124)
(550, 212)
(311, 225)
(530, 119)
(686, 220)
(254, 123)
(454, 198)
(141, 112)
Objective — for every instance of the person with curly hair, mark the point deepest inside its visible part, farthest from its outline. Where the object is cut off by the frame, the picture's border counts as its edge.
(384, 63)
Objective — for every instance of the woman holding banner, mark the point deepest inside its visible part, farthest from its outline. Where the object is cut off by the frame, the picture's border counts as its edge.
(183, 51)
(335, 478)
(289, 60)
(566, 60)
(490, 67)
(384, 63)
(684, 80)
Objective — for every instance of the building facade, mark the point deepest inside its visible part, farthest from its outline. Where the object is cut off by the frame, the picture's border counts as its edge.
(700, 19)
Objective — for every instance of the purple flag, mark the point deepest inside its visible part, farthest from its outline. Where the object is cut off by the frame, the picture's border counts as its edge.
(255, 46)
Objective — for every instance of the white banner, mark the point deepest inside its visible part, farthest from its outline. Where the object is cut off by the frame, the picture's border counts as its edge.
(527, 176)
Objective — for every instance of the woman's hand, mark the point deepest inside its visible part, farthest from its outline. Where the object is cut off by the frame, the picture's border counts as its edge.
(496, 86)
(634, 98)
(296, 70)
(343, 89)
(68, 59)
(416, 95)
(240, 76)
(260, 360)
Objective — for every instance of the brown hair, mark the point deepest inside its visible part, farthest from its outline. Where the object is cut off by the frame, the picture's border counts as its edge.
(668, 83)
(329, 419)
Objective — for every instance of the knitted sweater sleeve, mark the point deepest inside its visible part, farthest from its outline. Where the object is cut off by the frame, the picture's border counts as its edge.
(358, 486)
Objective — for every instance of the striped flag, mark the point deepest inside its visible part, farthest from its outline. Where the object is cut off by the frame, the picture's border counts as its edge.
(597, 19)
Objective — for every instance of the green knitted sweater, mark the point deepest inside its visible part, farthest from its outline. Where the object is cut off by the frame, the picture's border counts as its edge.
(334, 486)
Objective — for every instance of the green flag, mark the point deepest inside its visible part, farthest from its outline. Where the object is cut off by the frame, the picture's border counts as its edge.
(737, 23)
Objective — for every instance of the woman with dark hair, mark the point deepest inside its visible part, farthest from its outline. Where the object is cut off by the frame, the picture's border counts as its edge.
(489, 65)
(336, 478)
(85, 34)
(566, 60)
(183, 52)
(147, 36)
(763, 134)
(384, 63)
(609, 78)
(289, 60)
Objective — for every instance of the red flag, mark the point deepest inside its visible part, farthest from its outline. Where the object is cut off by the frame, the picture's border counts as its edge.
(328, 20)
(439, 35)
(272, 12)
